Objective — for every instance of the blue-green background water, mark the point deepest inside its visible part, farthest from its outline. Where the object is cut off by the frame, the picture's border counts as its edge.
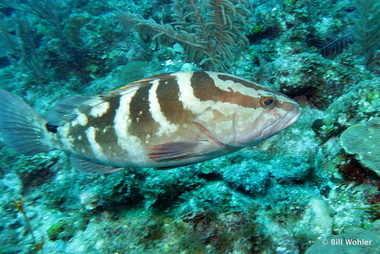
(296, 192)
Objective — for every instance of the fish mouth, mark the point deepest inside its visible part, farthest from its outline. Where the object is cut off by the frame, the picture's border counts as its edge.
(290, 118)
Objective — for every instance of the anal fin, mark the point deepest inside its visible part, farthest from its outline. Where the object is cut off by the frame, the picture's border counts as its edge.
(175, 150)
(90, 167)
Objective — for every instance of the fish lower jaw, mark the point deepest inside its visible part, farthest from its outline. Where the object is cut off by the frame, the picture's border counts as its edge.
(297, 114)
(282, 123)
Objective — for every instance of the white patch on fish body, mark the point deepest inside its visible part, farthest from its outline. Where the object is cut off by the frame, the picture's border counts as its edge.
(130, 144)
(223, 127)
(166, 127)
(99, 110)
(82, 119)
(96, 148)
(227, 85)
(196, 105)
(186, 95)
(66, 140)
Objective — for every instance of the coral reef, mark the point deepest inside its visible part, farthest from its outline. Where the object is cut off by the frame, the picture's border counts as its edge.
(364, 141)
(316, 181)
(354, 240)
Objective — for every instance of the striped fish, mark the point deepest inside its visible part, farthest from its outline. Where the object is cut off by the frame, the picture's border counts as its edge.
(167, 120)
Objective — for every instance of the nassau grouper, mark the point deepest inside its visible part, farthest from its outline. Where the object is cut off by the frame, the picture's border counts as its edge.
(163, 121)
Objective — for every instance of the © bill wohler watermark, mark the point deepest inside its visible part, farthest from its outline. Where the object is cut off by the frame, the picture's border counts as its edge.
(347, 241)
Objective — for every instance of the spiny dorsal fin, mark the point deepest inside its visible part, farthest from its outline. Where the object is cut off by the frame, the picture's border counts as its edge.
(131, 87)
(69, 108)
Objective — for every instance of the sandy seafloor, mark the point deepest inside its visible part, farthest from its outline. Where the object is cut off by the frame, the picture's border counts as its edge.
(313, 188)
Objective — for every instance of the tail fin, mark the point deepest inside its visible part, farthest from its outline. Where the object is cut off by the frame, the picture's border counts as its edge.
(20, 126)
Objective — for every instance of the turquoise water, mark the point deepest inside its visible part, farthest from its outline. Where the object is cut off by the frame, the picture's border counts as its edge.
(300, 191)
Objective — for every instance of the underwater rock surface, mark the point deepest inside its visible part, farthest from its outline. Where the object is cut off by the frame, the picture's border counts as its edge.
(354, 240)
(305, 185)
(364, 141)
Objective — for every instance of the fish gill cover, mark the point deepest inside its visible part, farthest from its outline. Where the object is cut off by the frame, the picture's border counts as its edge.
(296, 189)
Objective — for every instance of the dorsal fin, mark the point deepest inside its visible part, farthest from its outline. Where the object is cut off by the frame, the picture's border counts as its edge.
(69, 108)
(132, 86)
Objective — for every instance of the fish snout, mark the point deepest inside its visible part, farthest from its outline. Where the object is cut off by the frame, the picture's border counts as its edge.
(284, 122)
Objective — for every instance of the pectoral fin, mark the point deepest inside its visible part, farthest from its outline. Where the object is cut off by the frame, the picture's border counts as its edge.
(176, 150)
(217, 125)
(90, 167)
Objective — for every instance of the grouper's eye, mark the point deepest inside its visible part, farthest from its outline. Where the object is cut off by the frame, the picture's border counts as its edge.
(268, 102)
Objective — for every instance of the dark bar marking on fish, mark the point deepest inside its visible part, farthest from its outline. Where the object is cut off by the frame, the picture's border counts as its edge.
(81, 146)
(105, 131)
(168, 97)
(142, 122)
(205, 89)
(285, 106)
(247, 83)
(105, 122)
